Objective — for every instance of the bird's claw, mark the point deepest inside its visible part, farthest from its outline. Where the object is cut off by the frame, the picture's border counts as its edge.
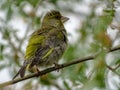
(56, 66)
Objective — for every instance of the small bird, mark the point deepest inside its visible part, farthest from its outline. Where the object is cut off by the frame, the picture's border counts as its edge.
(46, 45)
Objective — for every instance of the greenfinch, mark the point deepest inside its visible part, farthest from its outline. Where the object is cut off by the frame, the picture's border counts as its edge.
(46, 45)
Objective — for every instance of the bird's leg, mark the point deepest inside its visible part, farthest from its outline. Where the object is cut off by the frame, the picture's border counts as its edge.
(38, 71)
(35, 69)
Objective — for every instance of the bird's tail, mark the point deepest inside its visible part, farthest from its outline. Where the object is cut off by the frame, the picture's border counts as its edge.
(21, 72)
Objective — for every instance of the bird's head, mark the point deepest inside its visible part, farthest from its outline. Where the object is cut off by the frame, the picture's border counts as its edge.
(54, 18)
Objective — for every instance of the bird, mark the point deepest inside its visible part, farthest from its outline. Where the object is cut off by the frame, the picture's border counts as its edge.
(47, 44)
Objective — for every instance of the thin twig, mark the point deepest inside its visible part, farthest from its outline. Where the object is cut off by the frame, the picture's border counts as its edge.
(48, 70)
(114, 49)
(113, 70)
(117, 66)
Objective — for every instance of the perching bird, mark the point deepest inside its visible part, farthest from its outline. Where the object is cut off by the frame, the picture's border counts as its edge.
(46, 45)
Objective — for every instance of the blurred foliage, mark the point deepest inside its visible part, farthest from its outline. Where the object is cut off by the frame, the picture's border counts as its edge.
(94, 23)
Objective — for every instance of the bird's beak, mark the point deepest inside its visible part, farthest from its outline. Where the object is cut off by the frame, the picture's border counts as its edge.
(64, 19)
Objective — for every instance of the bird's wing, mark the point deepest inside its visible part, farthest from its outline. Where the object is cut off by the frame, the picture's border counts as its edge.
(37, 47)
(36, 40)
(41, 53)
(32, 46)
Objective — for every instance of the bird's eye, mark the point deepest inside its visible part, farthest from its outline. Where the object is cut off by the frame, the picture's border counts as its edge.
(57, 17)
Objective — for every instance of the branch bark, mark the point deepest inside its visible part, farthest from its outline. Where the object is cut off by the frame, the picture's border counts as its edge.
(48, 70)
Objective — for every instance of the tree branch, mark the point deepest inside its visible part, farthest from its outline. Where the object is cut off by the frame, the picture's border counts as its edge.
(113, 70)
(48, 70)
(117, 67)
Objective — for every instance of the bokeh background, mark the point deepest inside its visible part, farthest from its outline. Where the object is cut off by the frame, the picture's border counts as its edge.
(94, 27)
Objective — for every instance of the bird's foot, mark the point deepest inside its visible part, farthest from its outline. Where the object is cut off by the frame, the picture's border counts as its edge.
(56, 66)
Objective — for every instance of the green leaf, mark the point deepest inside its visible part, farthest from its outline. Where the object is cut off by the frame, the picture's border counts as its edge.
(1, 51)
(9, 13)
(6, 34)
(18, 2)
(44, 80)
(118, 61)
(53, 1)
(33, 2)
(66, 85)
(69, 54)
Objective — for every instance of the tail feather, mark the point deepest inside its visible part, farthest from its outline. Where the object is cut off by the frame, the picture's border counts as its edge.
(21, 72)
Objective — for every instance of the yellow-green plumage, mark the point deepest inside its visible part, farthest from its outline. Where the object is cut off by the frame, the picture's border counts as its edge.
(47, 44)
(33, 44)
